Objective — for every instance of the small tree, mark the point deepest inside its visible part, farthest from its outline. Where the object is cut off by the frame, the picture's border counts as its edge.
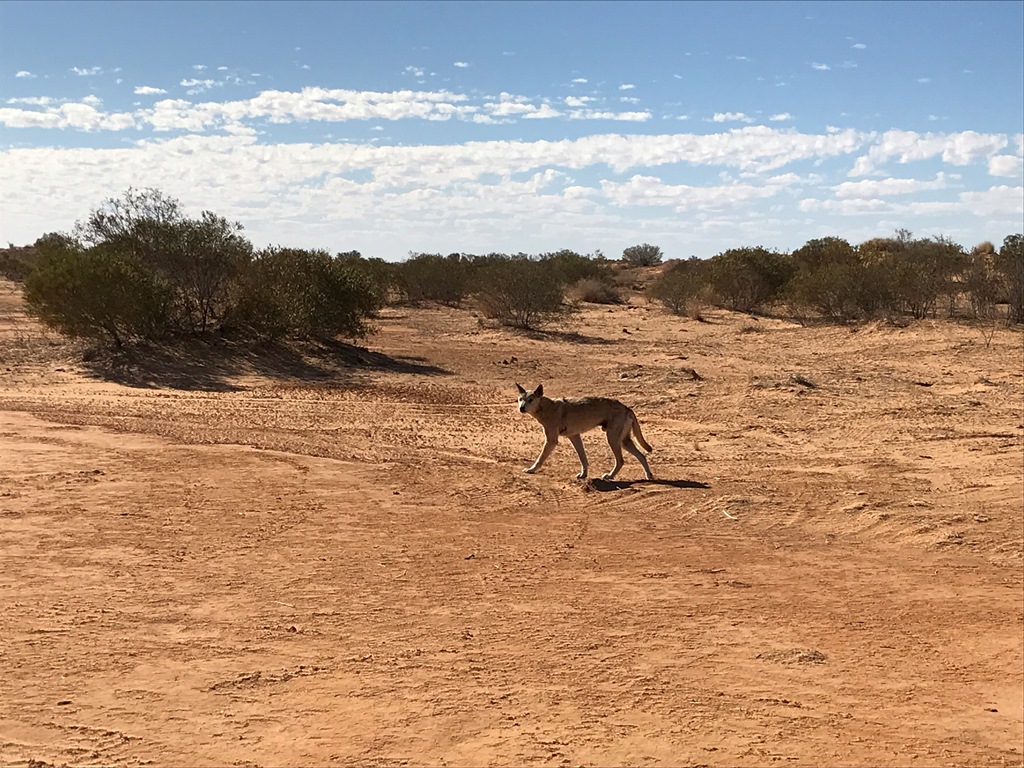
(520, 293)
(142, 223)
(1010, 262)
(680, 285)
(644, 255)
(202, 261)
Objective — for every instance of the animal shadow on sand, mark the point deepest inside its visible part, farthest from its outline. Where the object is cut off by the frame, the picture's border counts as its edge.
(600, 484)
(212, 365)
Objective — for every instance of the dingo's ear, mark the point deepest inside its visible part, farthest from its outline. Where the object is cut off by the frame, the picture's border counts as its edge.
(521, 390)
(539, 391)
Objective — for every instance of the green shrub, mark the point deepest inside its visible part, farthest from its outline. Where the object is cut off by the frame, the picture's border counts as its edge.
(304, 293)
(520, 293)
(97, 293)
(644, 255)
(1010, 262)
(432, 277)
(680, 287)
(746, 279)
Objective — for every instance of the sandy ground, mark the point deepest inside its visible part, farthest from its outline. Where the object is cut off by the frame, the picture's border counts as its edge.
(289, 563)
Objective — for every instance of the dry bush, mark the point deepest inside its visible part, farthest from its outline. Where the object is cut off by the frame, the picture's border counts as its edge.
(594, 291)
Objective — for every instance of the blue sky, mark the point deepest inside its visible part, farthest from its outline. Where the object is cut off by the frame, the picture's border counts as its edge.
(522, 126)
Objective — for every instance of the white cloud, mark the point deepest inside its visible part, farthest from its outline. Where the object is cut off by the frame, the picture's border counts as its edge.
(38, 101)
(201, 67)
(461, 64)
(629, 100)
(651, 191)
(577, 101)
(148, 90)
(86, 72)
(731, 117)
(869, 189)
(579, 80)
(820, 67)
(995, 201)
(924, 79)
(594, 114)
(780, 117)
(627, 87)
(1006, 165)
(24, 73)
(907, 146)
(414, 71)
(76, 115)
(858, 46)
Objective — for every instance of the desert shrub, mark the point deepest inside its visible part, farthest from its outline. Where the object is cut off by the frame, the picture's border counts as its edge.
(304, 293)
(746, 279)
(982, 282)
(830, 278)
(520, 292)
(382, 275)
(680, 287)
(202, 262)
(570, 267)
(433, 277)
(920, 271)
(200, 259)
(97, 293)
(594, 291)
(643, 255)
(16, 263)
(1010, 262)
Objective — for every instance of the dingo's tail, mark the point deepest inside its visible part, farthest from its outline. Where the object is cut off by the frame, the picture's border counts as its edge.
(640, 436)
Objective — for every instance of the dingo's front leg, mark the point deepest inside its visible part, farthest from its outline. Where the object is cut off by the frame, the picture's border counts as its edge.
(549, 446)
(577, 443)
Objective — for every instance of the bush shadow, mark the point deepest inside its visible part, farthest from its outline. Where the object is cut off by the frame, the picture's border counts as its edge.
(570, 337)
(600, 484)
(212, 365)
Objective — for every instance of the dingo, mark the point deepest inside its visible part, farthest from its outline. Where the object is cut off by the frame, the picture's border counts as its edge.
(572, 417)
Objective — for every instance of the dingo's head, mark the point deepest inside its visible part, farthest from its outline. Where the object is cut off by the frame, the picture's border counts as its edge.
(528, 401)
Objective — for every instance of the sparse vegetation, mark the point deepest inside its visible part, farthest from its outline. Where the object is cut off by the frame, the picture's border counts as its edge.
(138, 268)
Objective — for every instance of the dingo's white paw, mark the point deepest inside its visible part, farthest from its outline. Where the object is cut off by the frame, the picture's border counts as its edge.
(530, 470)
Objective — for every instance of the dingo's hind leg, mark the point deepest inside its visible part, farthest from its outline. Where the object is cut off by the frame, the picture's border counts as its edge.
(630, 446)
